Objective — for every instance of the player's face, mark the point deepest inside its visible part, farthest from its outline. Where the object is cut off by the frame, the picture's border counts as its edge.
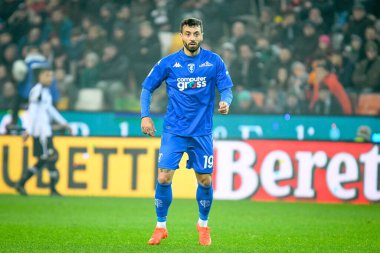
(192, 37)
(46, 77)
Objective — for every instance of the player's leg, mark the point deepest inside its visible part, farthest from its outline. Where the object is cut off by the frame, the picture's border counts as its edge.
(163, 195)
(38, 151)
(54, 173)
(163, 198)
(204, 198)
(201, 159)
(171, 151)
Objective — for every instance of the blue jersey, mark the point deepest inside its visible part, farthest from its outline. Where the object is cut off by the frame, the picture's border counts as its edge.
(190, 85)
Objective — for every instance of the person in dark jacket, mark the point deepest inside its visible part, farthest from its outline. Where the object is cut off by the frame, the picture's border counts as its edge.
(366, 76)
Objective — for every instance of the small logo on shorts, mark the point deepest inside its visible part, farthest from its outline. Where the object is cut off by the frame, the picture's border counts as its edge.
(160, 156)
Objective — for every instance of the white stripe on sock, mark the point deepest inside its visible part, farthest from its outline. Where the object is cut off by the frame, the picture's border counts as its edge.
(202, 223)
(161, 224)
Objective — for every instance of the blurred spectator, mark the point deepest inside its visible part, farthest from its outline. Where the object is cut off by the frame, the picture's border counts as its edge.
(239, 35)
(263, 49)
(316, 19)
(247, 69)
(58, 25)
(282, 60)
(5, 40)
(77, 45)
(306, 43)
(274, 100)
(86, 23)
(266, 23)
(33, 38)
(106, 15)
(96, 39)
(120, 40)
(146, 52)
(281, 80)
(297, 83)
(140, 10)
(89, 74)
(292, 104)
(160, 16)
(47, 52)
(113, 73)
(66, 89)
(228, 54)
(3, 75)
(244, 103)
(327, 83)
(355, 50)
(371, 35)
(342, 10)
(324, 48)
(366, 76)
(213, 18)
(288, 30)
(7, 95)
(342, 67)
(358, 22)
(9, 56)
(18, 22)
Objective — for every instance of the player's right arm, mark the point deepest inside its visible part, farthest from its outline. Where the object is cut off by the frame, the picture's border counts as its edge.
(151, 83)
(34, 98)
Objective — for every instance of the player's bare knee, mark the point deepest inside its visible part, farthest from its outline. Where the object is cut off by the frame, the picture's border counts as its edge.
(165, 176)
(205, 180)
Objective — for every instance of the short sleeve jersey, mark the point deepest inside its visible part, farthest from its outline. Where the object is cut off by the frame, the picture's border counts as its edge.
(190, 85)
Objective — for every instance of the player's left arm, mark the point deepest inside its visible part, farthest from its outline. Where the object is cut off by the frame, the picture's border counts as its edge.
(58, 117)
(225, 100)
(224, 85)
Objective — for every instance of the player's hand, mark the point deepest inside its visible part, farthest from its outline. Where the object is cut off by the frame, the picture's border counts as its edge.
(25, 136)
(147, 126)
(223, 107)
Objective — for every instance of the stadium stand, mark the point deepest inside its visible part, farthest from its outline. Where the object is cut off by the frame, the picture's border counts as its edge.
(270, 47)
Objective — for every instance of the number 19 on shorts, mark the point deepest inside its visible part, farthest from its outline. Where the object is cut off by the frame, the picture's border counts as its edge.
(209, 161)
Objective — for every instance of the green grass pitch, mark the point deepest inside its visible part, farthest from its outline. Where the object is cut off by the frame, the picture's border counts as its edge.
(90, 224)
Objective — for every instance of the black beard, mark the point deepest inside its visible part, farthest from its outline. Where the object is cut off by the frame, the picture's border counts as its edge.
(192, 50)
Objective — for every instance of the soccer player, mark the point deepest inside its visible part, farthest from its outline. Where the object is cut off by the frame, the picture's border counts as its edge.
(191, 76)
(41, 113)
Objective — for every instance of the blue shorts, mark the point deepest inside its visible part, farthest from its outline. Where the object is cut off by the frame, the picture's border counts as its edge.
(199, 149)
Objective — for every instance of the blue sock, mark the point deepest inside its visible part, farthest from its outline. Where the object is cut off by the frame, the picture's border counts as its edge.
(204, 200)
(163, 199)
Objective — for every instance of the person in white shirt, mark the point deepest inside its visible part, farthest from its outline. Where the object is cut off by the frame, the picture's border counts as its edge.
(41, 113)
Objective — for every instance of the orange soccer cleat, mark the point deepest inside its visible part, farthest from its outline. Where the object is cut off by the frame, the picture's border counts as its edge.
(204, 235)
(158, 235)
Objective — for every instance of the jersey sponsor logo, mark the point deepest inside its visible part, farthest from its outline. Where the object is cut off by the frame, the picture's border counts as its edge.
(177, 65)
(206, 64)
(191, 83)
(191, 67)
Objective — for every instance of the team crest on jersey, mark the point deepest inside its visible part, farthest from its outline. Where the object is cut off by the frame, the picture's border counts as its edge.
(191, 67)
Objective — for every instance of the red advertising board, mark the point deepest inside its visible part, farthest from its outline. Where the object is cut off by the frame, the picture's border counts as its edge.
(333, 172)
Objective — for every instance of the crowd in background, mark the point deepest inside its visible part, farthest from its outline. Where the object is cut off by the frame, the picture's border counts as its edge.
(284, 56)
